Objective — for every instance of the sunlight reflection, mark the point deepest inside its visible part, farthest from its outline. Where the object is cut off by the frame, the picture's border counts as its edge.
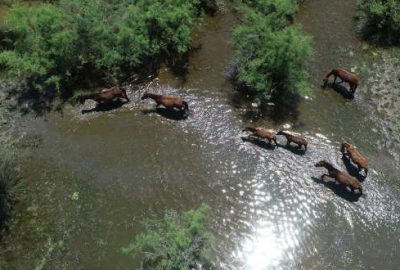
(267, 247)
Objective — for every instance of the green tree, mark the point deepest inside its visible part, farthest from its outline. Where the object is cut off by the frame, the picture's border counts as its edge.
(61, 42)
(383, 18)
(175, 243)
(45, 45)
(271, 55)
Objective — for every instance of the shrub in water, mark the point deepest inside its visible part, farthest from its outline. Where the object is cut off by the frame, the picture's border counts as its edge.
(177, 242)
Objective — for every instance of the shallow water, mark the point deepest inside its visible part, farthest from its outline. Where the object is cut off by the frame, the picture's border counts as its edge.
(270, 210)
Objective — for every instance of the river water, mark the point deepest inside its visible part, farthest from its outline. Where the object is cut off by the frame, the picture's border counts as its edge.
(98, 174)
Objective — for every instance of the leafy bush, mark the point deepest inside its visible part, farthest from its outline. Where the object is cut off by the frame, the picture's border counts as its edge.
(45, 43)
(62, 42)
(270, 54)
(383, 18)
(177, 243)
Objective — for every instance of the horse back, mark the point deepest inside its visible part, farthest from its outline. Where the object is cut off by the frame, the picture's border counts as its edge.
(171, 101)
(298, 139)
(357, 157)
(347, 76)
(348, 180)
(262, 132)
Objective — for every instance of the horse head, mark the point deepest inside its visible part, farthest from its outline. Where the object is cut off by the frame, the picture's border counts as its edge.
(345, 144)
(321, 163)
(145, 95)
(325, 80)
(82, 99)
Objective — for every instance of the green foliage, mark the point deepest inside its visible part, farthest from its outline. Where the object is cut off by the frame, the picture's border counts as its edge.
(383, 17)
(270, 54)
(61, 42)
(29, 141)
(45, 43)
(175, 243)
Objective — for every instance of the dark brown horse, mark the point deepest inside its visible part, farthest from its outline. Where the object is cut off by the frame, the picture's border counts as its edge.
(261, 133)
(344, 75)
(300, 141)
(342, 177)
(106, 95)
(168, 101)
(355, 156)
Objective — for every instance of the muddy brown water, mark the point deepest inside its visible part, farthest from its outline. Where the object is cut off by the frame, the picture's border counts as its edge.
(270, 211)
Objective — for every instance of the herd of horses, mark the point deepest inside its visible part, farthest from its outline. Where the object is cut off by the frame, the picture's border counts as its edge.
(177, 103)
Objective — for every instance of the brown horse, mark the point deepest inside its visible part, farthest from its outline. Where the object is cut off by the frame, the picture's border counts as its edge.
(355, 156)
(106, 95)
(168, 101)
(300, 141)
(261, 133)
(344, 75)
(342, 177)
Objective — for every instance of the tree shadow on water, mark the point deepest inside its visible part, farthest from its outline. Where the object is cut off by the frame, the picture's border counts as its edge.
(338, 189)
(260, 143)
(103, 107)
(280, 109)
(352, 169)
(168, 113)
(29, 100)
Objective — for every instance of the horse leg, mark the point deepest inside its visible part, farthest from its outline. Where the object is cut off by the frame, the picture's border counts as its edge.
(353, 88)
(126, 96)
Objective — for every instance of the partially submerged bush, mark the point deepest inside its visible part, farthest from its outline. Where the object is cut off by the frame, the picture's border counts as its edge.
(8, 184)
(271, 55)
(383, 19)
(176, 242)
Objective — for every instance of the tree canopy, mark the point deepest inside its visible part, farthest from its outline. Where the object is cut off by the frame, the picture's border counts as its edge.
(55, 43)
(270, 54)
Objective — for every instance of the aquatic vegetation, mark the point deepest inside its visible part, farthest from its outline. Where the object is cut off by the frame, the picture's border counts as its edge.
(270, 53)
(9, 179)
(177, 242)
(59, 44)
(383, 19)
(30, 141)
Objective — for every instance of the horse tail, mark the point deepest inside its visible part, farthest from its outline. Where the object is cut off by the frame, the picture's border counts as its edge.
(186, 107)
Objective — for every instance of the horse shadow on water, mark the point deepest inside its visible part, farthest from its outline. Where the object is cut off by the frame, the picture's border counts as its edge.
(260, 143)
(294, 149)
(352, 169)
(338, 189)
(339, 88)
(169, 113)
(103, 107)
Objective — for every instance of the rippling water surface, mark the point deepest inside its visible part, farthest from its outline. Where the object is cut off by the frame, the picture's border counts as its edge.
(270, 208)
